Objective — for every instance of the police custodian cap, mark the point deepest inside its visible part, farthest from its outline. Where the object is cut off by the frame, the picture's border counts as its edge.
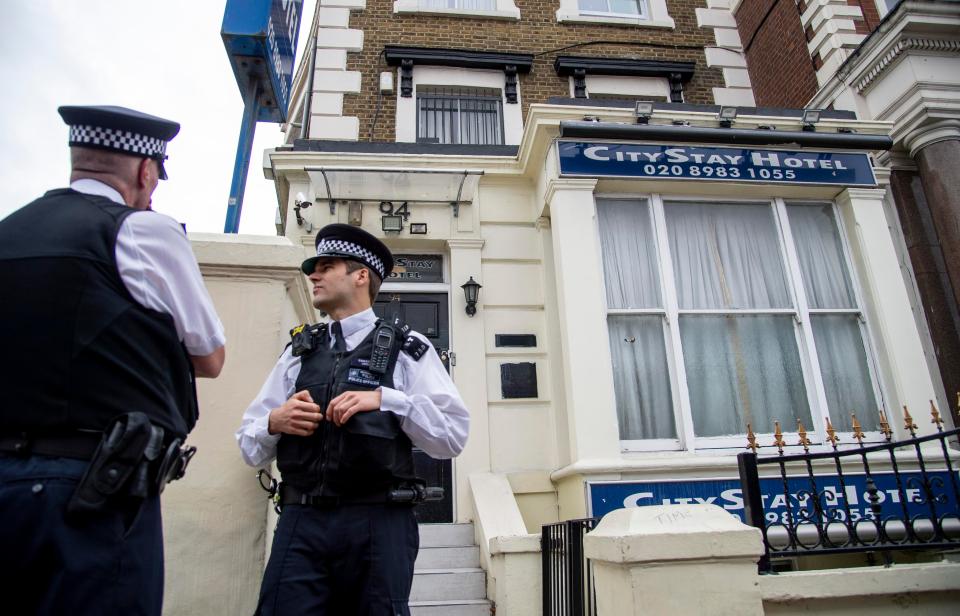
(349, 242)
(122, 130)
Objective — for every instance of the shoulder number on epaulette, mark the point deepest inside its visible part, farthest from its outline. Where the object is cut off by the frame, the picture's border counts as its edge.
(403, 327)
(414, 347)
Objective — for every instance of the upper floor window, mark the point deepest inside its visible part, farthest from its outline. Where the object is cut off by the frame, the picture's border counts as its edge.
(724, 314)
(459, 115)
(471, 5)
(643, 13)
(613, 7)
(486, 9)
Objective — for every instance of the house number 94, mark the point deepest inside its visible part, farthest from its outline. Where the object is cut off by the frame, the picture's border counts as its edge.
(387, 207)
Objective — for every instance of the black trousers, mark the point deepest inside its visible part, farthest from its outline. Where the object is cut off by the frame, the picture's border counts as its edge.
(105, 563)
(354, 560)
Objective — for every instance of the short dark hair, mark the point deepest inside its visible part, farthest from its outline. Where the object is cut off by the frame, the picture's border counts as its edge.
(375, 281)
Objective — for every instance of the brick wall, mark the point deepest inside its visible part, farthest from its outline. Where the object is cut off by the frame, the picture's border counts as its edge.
(780, 67)
(871, 16)
(537, 32)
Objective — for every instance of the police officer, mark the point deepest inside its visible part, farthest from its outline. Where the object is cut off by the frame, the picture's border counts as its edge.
(104, 323)
(341, 411)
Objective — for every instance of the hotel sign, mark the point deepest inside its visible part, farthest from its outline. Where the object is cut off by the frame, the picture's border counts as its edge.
(604, 497)
(417, 268)
(685, 162)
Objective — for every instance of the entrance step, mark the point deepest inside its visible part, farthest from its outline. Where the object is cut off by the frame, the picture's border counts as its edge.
(480, 607)
(448, 584)
(447, 578)
(446, 535)
(453, 557)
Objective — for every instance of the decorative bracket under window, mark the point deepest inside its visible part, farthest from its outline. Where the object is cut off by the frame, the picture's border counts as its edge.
(406, 78)
(676, 87)
(510, 86)
(579, 83)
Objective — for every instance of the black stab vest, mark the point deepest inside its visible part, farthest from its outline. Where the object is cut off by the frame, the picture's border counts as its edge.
(367, 455)
(76, 349)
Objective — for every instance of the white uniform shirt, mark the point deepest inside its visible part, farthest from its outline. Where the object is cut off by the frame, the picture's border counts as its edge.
(157, 266)
(423, 397)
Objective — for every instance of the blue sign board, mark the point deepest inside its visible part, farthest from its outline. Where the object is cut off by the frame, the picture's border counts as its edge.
(261, 40)
(605, 497)
(688, 162)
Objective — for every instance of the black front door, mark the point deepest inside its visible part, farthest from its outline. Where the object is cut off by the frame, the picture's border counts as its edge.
(427, 314)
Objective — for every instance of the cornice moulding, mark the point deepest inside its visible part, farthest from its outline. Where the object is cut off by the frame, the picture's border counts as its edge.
(903, 46)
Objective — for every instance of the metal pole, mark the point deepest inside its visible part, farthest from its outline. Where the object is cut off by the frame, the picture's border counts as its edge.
(248, 128)
(753, 501)
(308, 95)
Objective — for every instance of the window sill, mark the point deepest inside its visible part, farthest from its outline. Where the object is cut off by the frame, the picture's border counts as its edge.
(577, 18)
(408, 7)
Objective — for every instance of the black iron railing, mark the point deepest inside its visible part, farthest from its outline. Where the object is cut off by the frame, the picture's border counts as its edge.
(838, 501)
(567, 575)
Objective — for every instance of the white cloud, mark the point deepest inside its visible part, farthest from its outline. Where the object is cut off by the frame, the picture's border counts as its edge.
(164, 58)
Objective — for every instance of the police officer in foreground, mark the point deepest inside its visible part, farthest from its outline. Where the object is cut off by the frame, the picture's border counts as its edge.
(104, 323)
(340, 412)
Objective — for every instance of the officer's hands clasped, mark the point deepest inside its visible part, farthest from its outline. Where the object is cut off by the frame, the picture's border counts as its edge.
(298, 416)
(349, 403)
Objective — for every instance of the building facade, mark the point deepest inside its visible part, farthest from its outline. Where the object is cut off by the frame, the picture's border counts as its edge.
(657, 279)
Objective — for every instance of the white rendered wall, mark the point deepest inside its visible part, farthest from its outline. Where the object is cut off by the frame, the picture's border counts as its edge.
(215, 519)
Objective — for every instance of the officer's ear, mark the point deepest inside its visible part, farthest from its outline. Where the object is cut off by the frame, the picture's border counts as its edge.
(145, 173)
(363, 274)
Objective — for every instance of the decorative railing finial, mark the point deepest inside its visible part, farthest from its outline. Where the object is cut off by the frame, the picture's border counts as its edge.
(802, 433)
(908, 422)
(935, 413)
(832, 434)
(752, 439)
(857, 429)
(885, 426)
(778, 437)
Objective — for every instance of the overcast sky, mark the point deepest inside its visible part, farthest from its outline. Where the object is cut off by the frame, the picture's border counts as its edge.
(161, 57)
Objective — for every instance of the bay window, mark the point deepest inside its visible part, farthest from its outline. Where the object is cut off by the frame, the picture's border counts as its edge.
(723, 314)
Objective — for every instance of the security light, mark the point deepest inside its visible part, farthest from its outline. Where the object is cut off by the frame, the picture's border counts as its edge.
(810, 118)
(391, 224)
(726, 116)
(643, 111)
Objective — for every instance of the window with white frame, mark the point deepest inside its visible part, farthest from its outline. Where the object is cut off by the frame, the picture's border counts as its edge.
(619, 87)
(470, 5)
(628, 8)
(722, 314)
(459, 115)
(644, 13)
(486, 9)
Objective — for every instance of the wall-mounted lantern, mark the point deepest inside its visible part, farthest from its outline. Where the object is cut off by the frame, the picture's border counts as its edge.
(471, 291)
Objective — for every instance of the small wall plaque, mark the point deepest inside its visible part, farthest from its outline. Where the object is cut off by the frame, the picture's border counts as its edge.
(518, 380)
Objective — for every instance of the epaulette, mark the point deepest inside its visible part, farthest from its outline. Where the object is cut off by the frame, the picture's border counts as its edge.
(414, 347)
(403, 327)
(303, 337)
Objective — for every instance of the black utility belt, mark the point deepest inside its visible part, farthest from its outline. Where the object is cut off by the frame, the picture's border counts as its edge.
(131, 458)
(406, 495)
(79, 445)
(289, 495)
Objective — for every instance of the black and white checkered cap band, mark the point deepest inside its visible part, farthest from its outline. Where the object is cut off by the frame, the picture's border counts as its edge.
(122, 140)
(343, 247)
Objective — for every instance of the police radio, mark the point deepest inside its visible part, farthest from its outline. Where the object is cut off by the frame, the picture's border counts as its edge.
(382, 344)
